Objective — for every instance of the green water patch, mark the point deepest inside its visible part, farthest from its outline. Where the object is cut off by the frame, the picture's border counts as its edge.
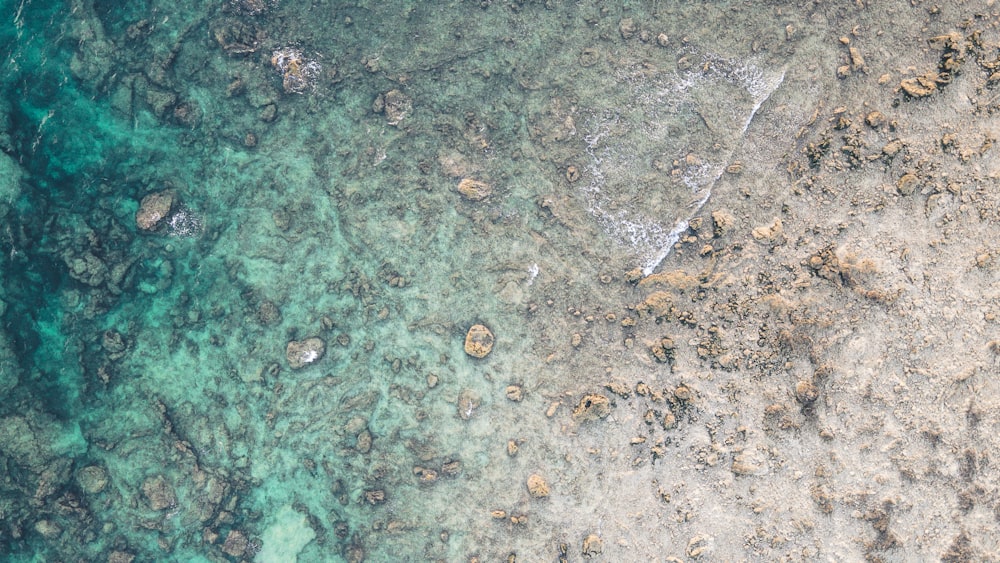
(155, 362)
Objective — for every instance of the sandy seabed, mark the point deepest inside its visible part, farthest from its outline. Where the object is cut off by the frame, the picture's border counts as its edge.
(496, 281)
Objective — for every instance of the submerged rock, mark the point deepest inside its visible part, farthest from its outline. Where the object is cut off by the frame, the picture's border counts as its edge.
(474, 190)
(515, 393)
(92, 479)
(114, 344)
(451, 468)
(628, 28)
(159, 493)
(364, 441)
(301, 353)
(236, 544)
(87, 269)
(268, 313)
(468, 402)
(120, 557)
(297, 73)
(238, 37)
(29, 440)
(8, 364)
(478, 341)
(10, 182)
(48, 529)
(394, 104)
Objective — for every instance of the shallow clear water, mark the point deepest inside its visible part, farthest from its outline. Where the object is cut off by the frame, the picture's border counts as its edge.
(143, 355)
(312, 154)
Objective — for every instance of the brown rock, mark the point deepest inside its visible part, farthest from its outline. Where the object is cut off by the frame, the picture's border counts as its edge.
(658, 304)
(375, 496)
(663, 351)
(699, 545)
(683, 393)
(677, 279)
(669, 421)
(153, 209)
(619, 388)
(512, 448)
(722, 222)
(537, 487)
(572, 173)
(743, 465)
(592, 407)
(806, 392)
(453, 163)
(515, 393)
(474, 190)
(301, 353)
(478, 341)
(907, 184)
(159, 493)
(592, 545)
(857, 61)
(269, 113)
(771, 232)
(876, 119)
(893, 147)
(921, 86)
(425, 475)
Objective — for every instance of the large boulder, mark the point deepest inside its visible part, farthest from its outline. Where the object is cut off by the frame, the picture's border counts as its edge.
(154, 208)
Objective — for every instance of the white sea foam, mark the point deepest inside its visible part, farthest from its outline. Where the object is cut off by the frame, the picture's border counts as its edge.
(185, 223)
(654, 163)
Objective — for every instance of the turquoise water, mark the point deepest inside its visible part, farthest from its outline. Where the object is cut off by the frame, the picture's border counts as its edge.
(151, 412)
